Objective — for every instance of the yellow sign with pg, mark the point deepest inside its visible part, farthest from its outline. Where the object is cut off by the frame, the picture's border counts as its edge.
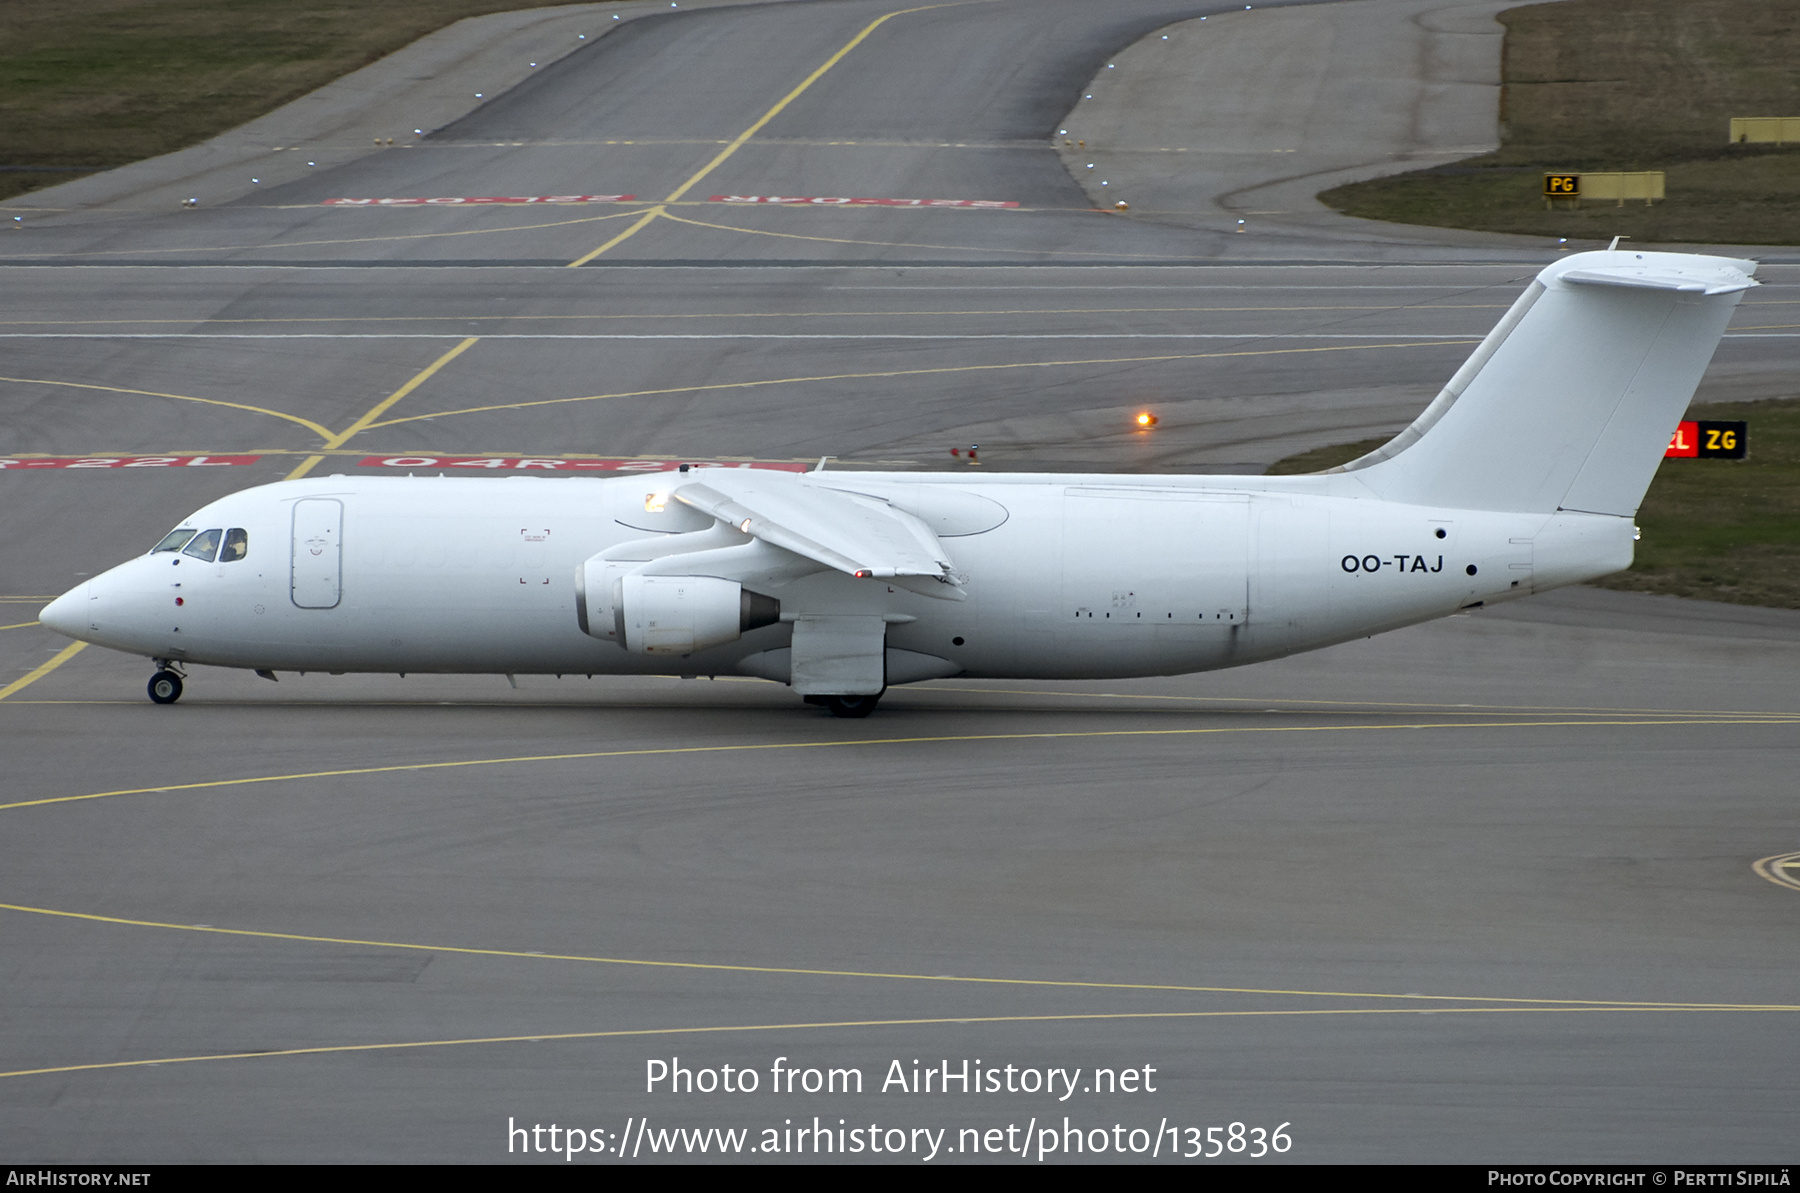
(1562, 186)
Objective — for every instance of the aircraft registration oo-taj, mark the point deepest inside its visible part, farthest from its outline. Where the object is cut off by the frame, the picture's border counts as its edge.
(1523, 475)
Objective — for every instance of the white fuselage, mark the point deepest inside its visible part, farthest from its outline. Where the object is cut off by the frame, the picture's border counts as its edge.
(1066, 577)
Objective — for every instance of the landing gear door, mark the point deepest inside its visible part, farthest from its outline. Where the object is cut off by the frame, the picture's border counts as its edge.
(318, 553)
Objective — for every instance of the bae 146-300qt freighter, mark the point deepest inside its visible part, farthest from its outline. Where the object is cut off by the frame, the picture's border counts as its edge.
(1523, 475)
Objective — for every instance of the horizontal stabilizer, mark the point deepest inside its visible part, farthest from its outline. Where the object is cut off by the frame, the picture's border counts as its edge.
(1685, 279)
(862, 536)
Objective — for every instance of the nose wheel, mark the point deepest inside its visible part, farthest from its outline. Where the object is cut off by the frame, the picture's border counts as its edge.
(165, 687)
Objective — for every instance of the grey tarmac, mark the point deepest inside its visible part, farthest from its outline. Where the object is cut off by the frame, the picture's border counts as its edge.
(1477, 890)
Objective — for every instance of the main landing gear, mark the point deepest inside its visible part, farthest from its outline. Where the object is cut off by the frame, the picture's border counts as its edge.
(846, 706)
(165, 685)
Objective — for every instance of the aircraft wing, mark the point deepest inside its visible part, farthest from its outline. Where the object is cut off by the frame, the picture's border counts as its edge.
(862, 536)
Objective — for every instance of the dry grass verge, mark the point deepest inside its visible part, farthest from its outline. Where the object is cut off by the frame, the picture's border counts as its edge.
(1626, 85)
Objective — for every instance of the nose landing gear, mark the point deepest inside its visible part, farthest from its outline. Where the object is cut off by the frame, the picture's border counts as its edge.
(165, 685)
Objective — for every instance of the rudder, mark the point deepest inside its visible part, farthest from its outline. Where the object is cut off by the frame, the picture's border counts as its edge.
(1569, 402)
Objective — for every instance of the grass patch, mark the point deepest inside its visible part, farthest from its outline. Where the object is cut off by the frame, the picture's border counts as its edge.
(1625, 85)
(1719, 530)
(95, 84)
(1726, 530)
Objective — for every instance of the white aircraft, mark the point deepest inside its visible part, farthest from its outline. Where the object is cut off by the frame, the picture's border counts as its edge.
(1524, 474)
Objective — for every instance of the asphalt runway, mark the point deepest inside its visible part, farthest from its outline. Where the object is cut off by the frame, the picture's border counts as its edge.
(1507, 887)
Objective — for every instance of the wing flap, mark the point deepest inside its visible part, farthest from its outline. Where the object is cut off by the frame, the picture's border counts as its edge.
(859, 535)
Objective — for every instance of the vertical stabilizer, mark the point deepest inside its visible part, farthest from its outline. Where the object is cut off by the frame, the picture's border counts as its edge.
(1570, 401)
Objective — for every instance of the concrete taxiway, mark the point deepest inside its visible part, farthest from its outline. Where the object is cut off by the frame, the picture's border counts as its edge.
(1511, 886)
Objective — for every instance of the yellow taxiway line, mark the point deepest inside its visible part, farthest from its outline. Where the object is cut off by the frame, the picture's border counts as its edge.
(151, 393)
(878, 975)
(1783, 870)
(925, 739)
(25, 681)
(737, 142)
(1077, 1017)
(1029, 364)
(332, 442)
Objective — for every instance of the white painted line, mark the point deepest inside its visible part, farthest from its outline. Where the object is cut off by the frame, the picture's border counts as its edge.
(1186, 286)
(427, 335)
(457, 335)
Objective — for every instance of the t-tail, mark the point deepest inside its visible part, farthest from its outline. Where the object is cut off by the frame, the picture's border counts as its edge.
(1569, 403)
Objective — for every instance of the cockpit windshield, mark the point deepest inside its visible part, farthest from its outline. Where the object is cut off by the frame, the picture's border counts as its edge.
(176, 541)
(204, 546)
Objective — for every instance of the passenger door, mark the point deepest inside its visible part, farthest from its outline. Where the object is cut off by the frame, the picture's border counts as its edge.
(317, 581)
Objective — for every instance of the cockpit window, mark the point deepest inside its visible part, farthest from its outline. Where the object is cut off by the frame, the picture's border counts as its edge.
(176, 541)
(204, 546)
(237, 545)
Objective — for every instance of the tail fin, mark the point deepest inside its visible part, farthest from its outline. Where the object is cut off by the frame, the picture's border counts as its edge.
(1570, 401)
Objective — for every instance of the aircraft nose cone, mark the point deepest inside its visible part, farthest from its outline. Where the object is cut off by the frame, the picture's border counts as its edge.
(67, 614)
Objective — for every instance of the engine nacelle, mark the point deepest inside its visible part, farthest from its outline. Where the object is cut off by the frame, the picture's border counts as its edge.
(597, 591)
(667, 615)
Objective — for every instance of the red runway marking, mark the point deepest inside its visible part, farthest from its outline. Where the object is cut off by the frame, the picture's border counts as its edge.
(828, 201)
(515, 463)
(465, 201)
(13, 465)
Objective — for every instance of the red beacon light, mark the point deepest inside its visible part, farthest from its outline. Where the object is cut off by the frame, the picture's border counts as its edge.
(1146, 420)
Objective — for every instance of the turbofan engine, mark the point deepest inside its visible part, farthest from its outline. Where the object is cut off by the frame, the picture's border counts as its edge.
(666, 615)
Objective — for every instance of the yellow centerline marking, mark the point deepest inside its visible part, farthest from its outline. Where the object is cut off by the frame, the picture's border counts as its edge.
(903, 244)
(1030, 364)
(332, 442)
(151, 393)
(791, 96)
(951, 979)
(20, 625)
(737, 142)
(1444, 710)
(25, 681)
(850, 743)
(548, 1037)
(1776, 868)
(627, 234)
(1513, 1005)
